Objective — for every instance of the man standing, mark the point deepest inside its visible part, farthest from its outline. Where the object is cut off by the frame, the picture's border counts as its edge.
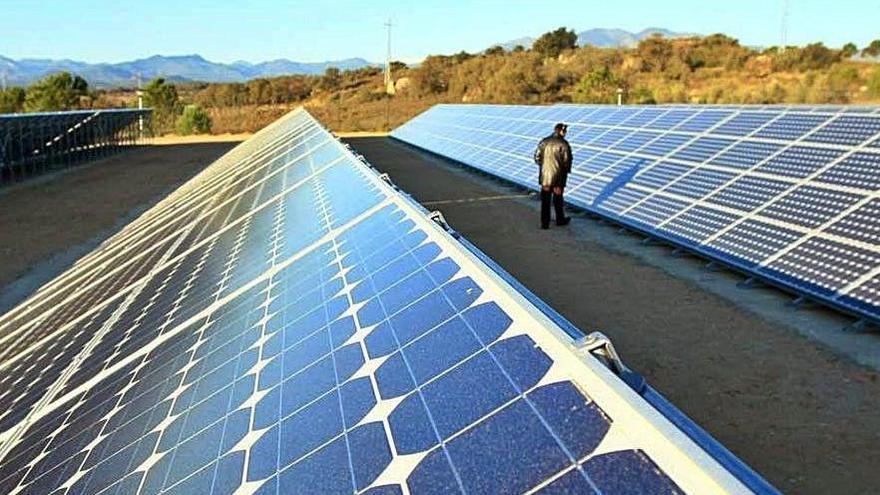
(553, 157)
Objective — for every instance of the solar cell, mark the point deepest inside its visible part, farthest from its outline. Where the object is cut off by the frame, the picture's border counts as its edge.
(858, 170)
(698, 223)
(745, 154)
(702, 149)
(847, 130)
(753, 241)
(744, 123)
(741, 184)
(321, 334)
(791, 126)
(799, 161)
(809, 206)
(703, 121)
(664, 144)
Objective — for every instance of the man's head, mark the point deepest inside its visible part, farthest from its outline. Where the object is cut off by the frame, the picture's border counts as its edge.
(560, 129)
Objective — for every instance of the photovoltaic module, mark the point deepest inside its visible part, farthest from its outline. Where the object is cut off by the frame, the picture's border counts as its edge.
(288, 322)
(788, 194)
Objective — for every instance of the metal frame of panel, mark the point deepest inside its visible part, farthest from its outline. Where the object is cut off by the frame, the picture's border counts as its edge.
(785, 194)
(181, 355)
(35, 143)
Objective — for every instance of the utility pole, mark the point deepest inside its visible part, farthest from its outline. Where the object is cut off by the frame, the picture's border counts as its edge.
(784, 27)
(389, 82)
(140, 95)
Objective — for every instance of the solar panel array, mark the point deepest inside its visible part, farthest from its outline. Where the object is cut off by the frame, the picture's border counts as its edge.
(788, 194)
(287, 322)
(33, 143)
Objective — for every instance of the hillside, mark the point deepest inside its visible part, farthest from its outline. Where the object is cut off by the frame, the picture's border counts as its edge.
(714, 69)
(175, 68)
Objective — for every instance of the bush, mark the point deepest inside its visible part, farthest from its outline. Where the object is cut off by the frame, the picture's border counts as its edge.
(12, 100)
(194, 120)
(599, 86)
(874, 83)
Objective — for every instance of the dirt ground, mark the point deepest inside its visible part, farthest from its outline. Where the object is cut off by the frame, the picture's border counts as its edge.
(48, 222)
(803, 416)
(171, 139)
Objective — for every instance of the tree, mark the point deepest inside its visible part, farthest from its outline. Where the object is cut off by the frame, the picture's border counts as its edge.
(494, 50)
(872, 50)
(849, 50)
(397, 66)
(432, 75)
(61, 91)
(817, 56)
(162, 98)
(461, 56)
(598, 86)
(552, 43)
(331, 79)
(194, 120)
(12, 100)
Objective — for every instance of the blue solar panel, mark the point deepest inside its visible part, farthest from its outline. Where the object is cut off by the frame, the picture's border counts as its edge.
(791, 126)
(848, 130)
(307, 329)
(742, 184)
(799, 161)
(703, 121)
(664, 144)
(702, 149)
(745, 123)
(745, 154)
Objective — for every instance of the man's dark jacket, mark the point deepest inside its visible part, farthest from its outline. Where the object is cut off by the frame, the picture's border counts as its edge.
(553, 157)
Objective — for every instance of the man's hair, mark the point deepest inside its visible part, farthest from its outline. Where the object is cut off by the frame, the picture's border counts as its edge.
(560, 127)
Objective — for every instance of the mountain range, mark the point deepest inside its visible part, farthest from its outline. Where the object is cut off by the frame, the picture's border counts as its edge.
(606, 38)
(175, 68)
(184, 68)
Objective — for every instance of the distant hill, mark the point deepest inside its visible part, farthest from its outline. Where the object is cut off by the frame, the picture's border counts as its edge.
(176, 68)
(606, 38)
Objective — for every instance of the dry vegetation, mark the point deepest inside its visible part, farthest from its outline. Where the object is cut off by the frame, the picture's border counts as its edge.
(711, 69)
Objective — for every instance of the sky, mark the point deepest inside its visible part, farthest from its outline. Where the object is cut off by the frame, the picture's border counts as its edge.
(312, 31)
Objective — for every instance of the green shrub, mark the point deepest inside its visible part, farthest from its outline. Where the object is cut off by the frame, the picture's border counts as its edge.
(194, 120)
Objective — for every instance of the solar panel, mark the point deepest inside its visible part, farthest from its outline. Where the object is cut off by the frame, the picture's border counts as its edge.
(799, 179)
(288, 322)
(33, 143)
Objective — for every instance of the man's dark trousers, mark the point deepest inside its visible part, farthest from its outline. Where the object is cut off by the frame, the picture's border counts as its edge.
(558, 205)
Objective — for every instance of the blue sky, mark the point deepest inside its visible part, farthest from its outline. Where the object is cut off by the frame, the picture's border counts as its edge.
(224, 31)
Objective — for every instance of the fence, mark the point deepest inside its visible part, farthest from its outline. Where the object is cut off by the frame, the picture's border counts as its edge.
(36, 143)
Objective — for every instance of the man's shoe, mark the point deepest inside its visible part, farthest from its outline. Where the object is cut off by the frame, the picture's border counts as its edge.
(564, 221)
(545, 226)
